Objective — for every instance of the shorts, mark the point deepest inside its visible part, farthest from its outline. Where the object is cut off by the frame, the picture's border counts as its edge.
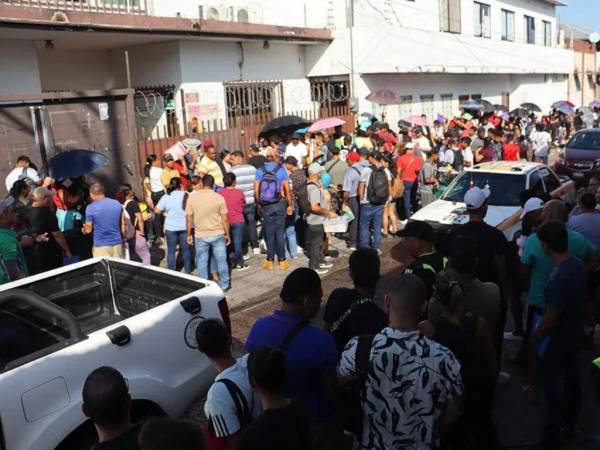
(112, 251)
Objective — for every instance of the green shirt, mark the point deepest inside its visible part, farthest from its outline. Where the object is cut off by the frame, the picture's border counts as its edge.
(542, 265)
(10, 250)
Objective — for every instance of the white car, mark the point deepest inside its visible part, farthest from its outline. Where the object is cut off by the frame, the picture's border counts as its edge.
(506, 180)
(57, 327)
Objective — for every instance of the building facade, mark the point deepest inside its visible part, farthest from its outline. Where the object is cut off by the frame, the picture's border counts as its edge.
(225, 61)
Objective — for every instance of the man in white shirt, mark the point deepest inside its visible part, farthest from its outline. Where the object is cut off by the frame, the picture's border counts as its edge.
(226, 420)
(23, 171)
(297, 149)
(465, 146)
(540, 140)
(420, 141)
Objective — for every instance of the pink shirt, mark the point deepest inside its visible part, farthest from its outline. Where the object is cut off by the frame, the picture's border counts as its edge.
(234, 199)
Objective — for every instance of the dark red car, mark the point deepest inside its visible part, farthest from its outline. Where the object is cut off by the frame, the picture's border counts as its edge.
(581, 158)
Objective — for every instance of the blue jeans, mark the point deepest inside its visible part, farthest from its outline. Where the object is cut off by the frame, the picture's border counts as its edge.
(291, 250)
(371, 216)
(407, 198)
(274, 230)
(174, 238)
(219, 255)
(237, 234)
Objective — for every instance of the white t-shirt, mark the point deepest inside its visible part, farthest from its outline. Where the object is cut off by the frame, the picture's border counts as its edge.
(468, 157)
(365, 176)
(155, 183)
(423, 144)
(297, 151)
(220, 408)
(16, 173)
(541, 142)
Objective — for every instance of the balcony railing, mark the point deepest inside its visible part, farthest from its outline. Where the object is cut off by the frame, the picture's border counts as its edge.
(141, 7)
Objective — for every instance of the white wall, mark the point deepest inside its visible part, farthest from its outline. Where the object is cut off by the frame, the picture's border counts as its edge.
(20, 72)
(74, 70)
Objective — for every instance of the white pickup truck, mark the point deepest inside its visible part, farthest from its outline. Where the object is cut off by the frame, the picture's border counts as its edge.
(56, 327)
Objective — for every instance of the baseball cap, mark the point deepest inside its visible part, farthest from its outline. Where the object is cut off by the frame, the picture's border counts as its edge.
(363, 151)
(476, 197)
(40, 193)
(353, 156)
(168, 157)
(315, 168)
(291, 160)
(418, 229)
(533, 204)
(208, 144)
(6, 203)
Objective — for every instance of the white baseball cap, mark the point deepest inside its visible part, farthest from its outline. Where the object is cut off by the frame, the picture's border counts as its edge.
(476, 197)
(533, 204)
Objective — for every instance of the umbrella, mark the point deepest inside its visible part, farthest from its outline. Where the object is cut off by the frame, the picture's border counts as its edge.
(323, 124)
(487, 106)
(302, 130)
(75, 163)
(505, 116)
(384, 97)
(566, 109)
(555, 105)
(368, 115)
(531, 107)
(499, 107)
(519, 112)
(472, 105)
(595, 104)
(403, 124)
(416, 120)
(283, 125)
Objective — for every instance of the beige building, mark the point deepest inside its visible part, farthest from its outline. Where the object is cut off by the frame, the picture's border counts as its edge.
(583, 80)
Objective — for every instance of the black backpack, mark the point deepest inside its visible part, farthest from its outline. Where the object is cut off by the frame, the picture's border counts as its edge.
(301, 193)
(378, 190)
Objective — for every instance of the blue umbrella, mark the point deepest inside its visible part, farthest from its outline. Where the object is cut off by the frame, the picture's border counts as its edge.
(75, 163)
(565, 109)
(472, 105)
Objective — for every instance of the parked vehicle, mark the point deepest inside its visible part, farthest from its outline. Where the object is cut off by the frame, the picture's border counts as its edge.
(581, 157)
(506, 180)
(56, 327)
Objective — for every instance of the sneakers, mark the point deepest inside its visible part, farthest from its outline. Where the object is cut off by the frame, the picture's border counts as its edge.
(284, 265)
(321, 271)
(352, 248)
(325, 265)
(256, 250)
(268, 265)
(300, 250)
(511, 336)
(246, 257)
(241, 267)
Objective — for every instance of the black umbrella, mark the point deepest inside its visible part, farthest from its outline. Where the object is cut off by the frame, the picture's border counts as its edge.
(403, 124)
(499, 107)
(519, 112)
(532, 107)
(487, 106)
(75, 163)
(283, 125)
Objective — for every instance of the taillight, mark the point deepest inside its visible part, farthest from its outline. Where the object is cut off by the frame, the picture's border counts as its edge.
(224, 310)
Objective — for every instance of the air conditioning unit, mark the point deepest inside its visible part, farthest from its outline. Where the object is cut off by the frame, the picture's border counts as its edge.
(248, 14)
(219, 12)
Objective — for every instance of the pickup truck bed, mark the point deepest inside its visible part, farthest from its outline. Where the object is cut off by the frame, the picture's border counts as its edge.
(56, 327)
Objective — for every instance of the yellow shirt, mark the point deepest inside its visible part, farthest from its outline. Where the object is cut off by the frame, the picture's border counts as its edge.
(168, 174)
(208, 166)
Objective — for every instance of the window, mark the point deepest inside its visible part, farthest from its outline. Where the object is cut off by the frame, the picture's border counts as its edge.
(505, 189)
(405, 108)
(450, 16)
(476, 97)
(551, 181)
(482, 24)
(462, 99)
(529, 30)
(427, 105)
(249, 99)
(447, 105)
(330, 91)
(508, 25)
(547, 33)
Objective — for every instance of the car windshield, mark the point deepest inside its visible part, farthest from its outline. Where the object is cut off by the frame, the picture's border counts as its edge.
(505, 189)
(585, 140)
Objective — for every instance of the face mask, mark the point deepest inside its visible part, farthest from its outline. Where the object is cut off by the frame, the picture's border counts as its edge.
(325, 179)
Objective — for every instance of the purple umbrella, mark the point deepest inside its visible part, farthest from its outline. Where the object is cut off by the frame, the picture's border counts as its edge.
(595, 104)
(384, 97)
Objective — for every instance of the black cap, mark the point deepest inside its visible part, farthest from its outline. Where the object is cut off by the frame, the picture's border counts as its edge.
(418, 229)
(291, 160)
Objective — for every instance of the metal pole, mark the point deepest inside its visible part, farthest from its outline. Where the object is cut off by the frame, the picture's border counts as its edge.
(127, 69)
(352, 93)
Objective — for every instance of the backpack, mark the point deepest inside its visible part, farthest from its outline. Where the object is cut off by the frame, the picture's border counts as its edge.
(378, 191)
(301, 193)
(32, 184)
(267, 189)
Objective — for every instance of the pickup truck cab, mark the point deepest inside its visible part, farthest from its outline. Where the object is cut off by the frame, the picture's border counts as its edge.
(56, 327)
(506, 180)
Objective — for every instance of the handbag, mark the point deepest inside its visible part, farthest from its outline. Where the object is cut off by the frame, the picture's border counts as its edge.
(397, 187)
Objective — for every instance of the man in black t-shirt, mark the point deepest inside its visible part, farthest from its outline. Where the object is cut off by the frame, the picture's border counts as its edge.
(418, 240)
(106, 401)
(352, 312)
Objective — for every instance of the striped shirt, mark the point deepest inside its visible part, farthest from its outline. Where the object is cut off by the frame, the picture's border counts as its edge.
(245, 175)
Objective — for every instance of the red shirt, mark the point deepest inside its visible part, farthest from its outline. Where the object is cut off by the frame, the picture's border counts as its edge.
(234, 199)
(182, 174)
(409, 165)
(511, 152)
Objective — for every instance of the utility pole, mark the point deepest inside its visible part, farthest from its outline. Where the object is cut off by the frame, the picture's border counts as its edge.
(351, 23)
